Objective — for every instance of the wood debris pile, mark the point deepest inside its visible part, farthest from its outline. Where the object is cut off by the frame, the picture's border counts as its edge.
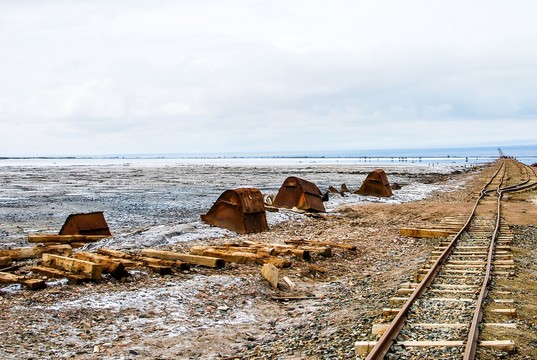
(58, 260)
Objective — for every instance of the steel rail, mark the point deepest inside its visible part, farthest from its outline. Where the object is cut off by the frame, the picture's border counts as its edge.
(384, 344)
(473, 334)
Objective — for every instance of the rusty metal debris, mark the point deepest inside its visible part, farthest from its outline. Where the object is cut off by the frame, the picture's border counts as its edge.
(240, 210)
(86, 224)
(301, 194)
(376, 184)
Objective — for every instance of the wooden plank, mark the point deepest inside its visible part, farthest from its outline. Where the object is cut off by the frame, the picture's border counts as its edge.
(89, 269)
(508, 312)
(110, 266)
(299, 253)
(240, 257)
(115, 253)
(5, 261)
(180, 265)
(36, 251)
(77, 245)
(208, 261)
(292, 297)
(322, 243)
(270, 273)
(64, 239)
(231, 256)
(319, 250)
(245, 248)
(32, 284)
(161, 269)
(276, 261)
(59, 274)
(425, 233)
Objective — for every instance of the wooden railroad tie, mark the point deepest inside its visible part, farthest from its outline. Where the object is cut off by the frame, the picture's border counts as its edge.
(90, 270)
(379, 329)
(32, 284)
(363, 348)
(387, 312)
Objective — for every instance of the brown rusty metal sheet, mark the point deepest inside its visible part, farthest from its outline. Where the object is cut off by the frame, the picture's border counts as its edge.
(240, 210)
(376, 184)
(299, 193)
(86, 224)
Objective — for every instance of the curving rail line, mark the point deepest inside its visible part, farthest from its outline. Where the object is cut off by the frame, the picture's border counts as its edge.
(501, 182)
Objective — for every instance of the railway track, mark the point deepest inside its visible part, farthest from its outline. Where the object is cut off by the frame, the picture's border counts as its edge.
(439, 315)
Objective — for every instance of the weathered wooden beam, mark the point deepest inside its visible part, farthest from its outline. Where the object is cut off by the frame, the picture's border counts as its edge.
(32, 284)
(160, 266)
(508, 312)
(207, 261)
(299, 253)
(239, 256)
(59, 274)
(161, 269)
(77, 245)
(270, 273)
(425, 233)
(36, 251)
(319, 250)
(5, 261)
(242, 248)
(89, 269)
(181, 265)
(64, 239)
(276, 261)
(322, 243)
(293, 297)
(110, 266)
(115, 253)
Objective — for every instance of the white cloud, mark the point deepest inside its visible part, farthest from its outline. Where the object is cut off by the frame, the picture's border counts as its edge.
(186, 76)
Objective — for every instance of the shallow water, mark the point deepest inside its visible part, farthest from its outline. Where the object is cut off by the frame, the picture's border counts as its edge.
(167, 200)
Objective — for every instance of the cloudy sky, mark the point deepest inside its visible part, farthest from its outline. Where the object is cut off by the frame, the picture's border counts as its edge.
(102, 77)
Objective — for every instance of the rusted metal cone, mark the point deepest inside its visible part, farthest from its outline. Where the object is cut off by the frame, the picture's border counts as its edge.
(240, 210)
(301, 194)
(86, 224)
(376, 184)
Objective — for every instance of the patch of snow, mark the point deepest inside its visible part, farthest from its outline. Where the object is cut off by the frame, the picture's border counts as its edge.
(11, 289)
(166, 310)
(59, 282)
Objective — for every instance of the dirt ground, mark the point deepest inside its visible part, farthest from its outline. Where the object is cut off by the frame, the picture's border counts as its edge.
(231, 314)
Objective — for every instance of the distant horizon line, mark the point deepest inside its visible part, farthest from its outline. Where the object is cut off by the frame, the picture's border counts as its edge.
(489, 152)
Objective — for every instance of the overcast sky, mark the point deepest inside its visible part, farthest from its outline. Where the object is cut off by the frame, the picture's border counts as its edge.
(101, 77)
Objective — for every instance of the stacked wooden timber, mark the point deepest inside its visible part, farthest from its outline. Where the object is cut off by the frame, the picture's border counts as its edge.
(161, 266)
(233, 254)
(75, 241)
(207, 261)
(269, 253)
(59, 261)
